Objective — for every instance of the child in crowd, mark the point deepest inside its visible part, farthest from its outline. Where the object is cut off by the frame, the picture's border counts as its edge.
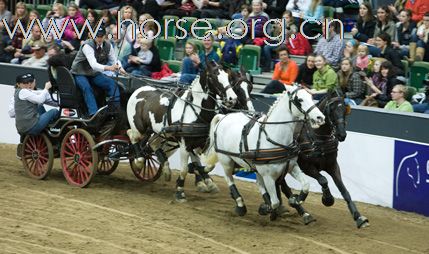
(363, 57)
(140, 59)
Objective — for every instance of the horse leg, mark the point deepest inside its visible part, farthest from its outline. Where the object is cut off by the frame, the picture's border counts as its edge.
(157, 145)
(240, 208)
(299, 176)
(135, 138)
(195, 168)
(265, 207)
(180, 183)
(327, 198)
(306, 216)
(361, 221)
(270, 185)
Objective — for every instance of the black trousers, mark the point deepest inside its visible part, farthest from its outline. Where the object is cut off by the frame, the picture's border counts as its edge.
(273, 87)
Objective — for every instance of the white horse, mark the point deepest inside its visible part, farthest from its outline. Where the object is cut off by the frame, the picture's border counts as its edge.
(270, 133)
(151, 110)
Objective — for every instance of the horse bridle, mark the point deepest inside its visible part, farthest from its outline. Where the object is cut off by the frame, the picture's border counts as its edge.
(237, 84)
(216, 84)
(293, 99)
(328, 110)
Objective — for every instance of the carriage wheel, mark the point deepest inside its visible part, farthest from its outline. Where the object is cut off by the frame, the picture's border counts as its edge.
(77, 157)
(106, 166)
(151, 170)
(37, 156)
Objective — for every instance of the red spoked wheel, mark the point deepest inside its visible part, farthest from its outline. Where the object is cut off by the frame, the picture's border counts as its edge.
(151, 169)
(78, 160)
(106, 166)
(37, 156)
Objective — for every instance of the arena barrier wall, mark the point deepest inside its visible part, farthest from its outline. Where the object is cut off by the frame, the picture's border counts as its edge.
(384, 160)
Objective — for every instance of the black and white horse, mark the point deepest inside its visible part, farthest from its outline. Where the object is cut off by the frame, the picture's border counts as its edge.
(182, 118)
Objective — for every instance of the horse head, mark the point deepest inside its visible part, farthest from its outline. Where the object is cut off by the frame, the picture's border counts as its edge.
(217, 81)
(301, 105)
(243, 88)
(335, 110)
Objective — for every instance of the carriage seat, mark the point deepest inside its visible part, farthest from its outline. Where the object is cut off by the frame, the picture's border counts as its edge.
(69, 94)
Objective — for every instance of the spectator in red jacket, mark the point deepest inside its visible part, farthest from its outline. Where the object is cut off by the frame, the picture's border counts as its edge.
(418, 8)
(74, 14)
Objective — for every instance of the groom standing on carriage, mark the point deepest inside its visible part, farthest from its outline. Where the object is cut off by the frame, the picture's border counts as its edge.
(87, 68)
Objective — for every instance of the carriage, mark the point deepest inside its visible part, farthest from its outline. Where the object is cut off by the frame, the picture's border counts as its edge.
(85, 146)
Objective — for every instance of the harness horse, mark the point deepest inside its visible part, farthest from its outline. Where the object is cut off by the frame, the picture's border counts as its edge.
(158, 119)
(265, 145)
(319, 150)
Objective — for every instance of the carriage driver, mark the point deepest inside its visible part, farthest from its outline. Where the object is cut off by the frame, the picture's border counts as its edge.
(87, 68)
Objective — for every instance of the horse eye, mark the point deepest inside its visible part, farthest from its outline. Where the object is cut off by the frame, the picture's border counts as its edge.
(300, 100)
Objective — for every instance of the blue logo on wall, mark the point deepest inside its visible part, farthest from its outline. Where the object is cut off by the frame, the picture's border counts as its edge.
(411, 179)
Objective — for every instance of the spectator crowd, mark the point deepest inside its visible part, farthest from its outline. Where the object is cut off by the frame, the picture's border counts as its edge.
(368, 66)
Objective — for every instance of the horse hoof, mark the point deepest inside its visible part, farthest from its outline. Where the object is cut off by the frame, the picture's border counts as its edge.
(294, 201)
(212, 187)
(264, 209)
(308, 218)
(202, 187)
(328, 201)
(362, 222)
(240, 211)
(274, 214)
(180, 197)
(282, 210)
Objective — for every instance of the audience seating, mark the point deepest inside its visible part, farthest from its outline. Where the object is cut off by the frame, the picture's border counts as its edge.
(249, 58)
(171, 29)
(417, 73)
(174, 65)
(166, 48)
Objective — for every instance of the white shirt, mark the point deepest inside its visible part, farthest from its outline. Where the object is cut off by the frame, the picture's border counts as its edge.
(33, 96)
(89, 53)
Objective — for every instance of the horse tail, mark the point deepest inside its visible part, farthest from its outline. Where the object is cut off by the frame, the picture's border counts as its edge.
(210, 156)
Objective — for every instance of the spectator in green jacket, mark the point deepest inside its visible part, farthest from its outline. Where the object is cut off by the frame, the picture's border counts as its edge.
(324, 79)
(398, 102)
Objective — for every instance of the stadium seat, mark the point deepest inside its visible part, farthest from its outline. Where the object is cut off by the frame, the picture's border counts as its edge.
(171, 29)
(174, 65)
(249, 58)
(187, 25)
(215, 23)
(166, 48)
(417, 73)
(43, 10)
(406, 67)
(411, 91)
(29, 7)
(197, 43)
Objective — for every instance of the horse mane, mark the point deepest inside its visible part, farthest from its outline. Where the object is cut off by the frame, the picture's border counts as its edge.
(276, 102)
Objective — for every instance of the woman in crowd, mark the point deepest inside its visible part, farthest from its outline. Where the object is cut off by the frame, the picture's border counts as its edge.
(383, 42)
(405, 32)
(285, 73)
(126, 32)
(385, 24)
(381, 84)
(306, 71)
(398, 102)
(324, 79)
(57, 14)
(190, 64)
(21, 14)
(350, 82)
(365, 27)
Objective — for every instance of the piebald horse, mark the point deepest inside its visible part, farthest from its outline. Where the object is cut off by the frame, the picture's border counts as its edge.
(182, 118)
(233, 142)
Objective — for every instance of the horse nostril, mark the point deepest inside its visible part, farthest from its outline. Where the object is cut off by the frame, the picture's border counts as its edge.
(320, 118)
